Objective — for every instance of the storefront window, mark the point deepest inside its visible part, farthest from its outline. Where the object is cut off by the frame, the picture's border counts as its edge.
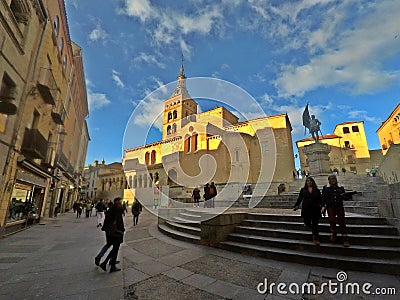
(24, 203)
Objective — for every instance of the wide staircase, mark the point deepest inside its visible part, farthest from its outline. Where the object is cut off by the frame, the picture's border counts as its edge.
(374, 245)
(364, 203)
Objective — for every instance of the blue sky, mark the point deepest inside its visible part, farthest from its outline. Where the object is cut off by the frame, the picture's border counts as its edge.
(340, 56)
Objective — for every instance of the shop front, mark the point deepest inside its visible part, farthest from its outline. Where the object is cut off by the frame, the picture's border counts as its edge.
(27, 198)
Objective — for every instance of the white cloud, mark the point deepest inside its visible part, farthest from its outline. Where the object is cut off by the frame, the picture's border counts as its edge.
(168, 25)
(98, 34)
(149, 112)
(117, 79)
(97, 100)
(355, 61)
(148, 59)
(363, 116)
(139, 8)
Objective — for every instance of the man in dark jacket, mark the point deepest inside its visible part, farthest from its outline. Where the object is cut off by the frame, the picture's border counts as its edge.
(213, 194)
(114, 228)
(332, 201)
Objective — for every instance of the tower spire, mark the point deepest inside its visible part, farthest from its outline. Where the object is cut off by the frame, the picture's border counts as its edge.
(182, 70)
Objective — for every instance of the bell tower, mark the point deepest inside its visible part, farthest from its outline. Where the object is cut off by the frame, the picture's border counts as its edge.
(177, 107)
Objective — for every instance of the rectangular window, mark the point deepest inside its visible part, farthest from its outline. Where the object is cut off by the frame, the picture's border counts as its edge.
(346, 144)
(7, 92)
(346, 130)
(35, 121)
(355, 129)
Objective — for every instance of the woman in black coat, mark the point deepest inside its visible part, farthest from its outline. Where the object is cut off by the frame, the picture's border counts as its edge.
(310, 196)
(114, 228)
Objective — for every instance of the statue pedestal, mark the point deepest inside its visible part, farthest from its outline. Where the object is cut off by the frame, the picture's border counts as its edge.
(318, 158)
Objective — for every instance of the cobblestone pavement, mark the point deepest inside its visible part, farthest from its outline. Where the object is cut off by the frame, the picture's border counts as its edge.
(55, 261)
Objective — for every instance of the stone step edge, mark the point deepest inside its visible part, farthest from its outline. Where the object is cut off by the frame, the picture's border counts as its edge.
(305, 243)
(190, 215)
(383, 226)
(177, 233)
(312, 255)
(308, 231)
(185, 220)
(180, 225)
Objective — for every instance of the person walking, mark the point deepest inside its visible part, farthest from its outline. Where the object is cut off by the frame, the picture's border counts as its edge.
(114, 228)
(206, 195)
(196, 197)
(88, 207)
(213, 194)
(310, 198)
(100, 209)
(78, 209)
(332, 201)
(136, 210)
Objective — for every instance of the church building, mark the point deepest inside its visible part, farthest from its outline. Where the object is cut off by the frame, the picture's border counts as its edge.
(197, 148)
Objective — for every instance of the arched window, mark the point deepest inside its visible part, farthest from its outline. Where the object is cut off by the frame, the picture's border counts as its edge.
(169, 116)
(175, 114)
(61, 45)
(147, 158)
(187, 143)
(55, 25)
(194, 141)
(151, 180)
(64, 63)
(140, 181)
(130, 182)
(153, 157)
(20, 10)
(174, 128)
(169, 129)
(144, 181)
(172, 177)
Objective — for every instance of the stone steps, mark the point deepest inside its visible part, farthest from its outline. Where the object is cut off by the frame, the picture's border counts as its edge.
(375, 245)
(323, 227)
(387, 266)
(304, 234)
(178, 234)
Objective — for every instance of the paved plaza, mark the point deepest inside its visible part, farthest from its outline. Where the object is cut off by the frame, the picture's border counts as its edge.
(55, 260)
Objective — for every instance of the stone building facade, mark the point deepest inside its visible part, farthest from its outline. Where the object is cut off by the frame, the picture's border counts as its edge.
(43, 74)
(389, 131)
(213, 144)
(349, 148)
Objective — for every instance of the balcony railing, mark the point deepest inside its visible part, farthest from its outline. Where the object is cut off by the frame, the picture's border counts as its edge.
(47, 86)
(34, 144)
(64, 164)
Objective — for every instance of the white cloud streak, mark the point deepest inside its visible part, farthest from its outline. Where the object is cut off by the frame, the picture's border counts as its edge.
(117, 79)
(97, 100)
(98, 34)
(356, 62)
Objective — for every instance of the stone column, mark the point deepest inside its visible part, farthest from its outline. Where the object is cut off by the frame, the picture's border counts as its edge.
(318, 158)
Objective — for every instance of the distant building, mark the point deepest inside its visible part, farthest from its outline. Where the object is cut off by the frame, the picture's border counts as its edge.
(349, 148)
(389, 131)
(106, 181)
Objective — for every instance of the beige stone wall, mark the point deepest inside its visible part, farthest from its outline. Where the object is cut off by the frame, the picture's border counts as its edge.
(389, 168)
(389, 131)
(19, 41)
(349, 150)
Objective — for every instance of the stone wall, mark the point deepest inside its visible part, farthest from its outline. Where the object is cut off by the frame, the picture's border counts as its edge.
(389, 204)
